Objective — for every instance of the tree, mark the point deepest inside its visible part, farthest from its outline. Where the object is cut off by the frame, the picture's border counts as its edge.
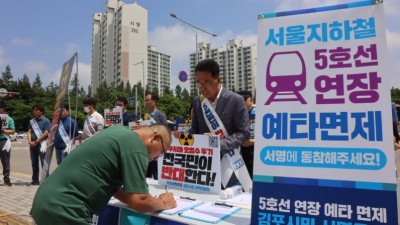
(37, 86)
(178, 91)
(25, 89)
(120, 88)
(52, 88)
(74, 85)
(128, 89)
(395, 94)
(6, 78)
(167, 91)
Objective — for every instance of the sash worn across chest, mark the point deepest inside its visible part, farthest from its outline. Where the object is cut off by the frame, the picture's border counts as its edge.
(232, 161)
(38, 133)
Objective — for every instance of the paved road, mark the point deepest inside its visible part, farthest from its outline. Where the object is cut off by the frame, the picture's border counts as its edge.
(21, 161)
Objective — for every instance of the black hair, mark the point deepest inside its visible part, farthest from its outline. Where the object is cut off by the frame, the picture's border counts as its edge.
(38, 107)
(208, 65)
(245, 94)
(66, 106)
(123, 100)
(154, 96)
(90, 101)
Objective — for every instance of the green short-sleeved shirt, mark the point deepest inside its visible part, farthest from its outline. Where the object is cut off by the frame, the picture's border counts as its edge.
(85, 181)
(11, 126)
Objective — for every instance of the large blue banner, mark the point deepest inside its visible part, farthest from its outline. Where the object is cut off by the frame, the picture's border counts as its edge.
(324, 142)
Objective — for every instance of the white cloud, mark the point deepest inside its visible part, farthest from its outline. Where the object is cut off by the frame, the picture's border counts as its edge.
(394, 74)
(392, 7)
(179, 42)
(22, 41)
(393, 40)
(35, 67)
(176, 41)
(71, 48)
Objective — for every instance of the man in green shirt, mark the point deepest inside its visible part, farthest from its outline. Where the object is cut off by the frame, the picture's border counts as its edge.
(113, 162)
(5, 148)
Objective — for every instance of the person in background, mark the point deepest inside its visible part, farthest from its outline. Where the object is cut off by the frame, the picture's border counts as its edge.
(66, 132)
(247, 149)
(38, 130)
(5, 144)
(229, 106)
(112, 163)
(94, 122)
(122, 102)
(150, 104)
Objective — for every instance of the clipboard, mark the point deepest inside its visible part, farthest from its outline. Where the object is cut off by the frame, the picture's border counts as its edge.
(210, 212)
(182, 204)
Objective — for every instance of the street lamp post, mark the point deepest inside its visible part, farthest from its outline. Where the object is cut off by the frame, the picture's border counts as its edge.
(144, 90)
(196, 28)
(142, 62)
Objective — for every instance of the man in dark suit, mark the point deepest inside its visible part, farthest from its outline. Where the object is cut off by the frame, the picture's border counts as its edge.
(229, 106)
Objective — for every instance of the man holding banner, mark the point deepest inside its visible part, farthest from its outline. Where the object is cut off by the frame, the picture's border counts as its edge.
(38, 129)
(224, 113)
(67, 131)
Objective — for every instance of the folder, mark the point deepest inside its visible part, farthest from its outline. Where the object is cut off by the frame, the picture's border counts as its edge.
(210, 212)
(183, 203)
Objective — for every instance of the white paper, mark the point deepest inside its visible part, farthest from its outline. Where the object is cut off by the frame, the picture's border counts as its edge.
(209, 212)
(182, 205)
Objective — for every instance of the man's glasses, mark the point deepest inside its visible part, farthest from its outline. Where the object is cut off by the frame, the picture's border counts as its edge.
(206, 84)
(163, 148)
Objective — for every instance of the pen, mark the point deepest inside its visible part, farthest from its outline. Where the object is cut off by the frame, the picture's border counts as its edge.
(166, 188)
(223, 204)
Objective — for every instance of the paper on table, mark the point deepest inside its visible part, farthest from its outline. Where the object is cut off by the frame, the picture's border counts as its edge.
(182, 204)
(243, 200)
(210, 212)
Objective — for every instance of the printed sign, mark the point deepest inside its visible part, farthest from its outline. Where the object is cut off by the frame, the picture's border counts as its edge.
(139, 124)
(113, 116)
(192, 163)
(324, 150)
(183, 124)
(4, 120)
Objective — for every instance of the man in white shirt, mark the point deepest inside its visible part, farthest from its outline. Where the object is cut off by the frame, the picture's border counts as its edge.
(94, 121)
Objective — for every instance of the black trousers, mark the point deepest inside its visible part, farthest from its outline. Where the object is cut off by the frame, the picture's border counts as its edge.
(5, 160)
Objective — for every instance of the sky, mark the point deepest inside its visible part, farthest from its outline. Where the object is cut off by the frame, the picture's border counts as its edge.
(37, 37)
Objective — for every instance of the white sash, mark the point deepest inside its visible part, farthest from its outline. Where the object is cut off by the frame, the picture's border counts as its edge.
(7, 145)
(232, 161)
(89, 126)
(65, 137)
(38, 133)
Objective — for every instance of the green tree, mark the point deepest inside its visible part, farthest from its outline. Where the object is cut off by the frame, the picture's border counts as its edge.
(128, 89)
(25, 89)
(37, 86)
(6, 78)
(395, 94)
(178, 91)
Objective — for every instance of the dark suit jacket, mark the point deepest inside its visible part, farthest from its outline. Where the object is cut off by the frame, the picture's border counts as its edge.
(233, 113)
(160, 117)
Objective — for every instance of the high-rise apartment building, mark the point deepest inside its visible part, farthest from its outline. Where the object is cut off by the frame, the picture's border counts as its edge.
(159, 70)
(237, 65)
(120, 48)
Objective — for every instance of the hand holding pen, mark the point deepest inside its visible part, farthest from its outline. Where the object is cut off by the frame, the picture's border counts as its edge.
(168, 199)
